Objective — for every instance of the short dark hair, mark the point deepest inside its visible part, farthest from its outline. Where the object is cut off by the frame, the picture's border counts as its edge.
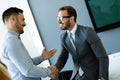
(10, 11)
(70, 10)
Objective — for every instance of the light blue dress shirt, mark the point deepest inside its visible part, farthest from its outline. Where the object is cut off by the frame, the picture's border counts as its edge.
(20, 65)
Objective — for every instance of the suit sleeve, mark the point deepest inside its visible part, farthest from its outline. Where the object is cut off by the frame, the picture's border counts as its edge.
(99, 52)
(62, 59)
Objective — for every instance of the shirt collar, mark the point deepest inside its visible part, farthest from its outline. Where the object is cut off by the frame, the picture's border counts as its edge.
(73, 30)
(13, 32)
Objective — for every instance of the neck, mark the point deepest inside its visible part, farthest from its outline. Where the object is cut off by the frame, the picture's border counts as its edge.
(71, 26)
(12, 28)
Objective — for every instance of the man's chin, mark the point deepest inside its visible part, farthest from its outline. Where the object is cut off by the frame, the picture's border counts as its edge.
(61, 28)
(21, 32)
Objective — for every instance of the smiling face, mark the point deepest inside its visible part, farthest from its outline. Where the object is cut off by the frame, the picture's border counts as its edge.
(20, 23)
(17, 23)
(14, 19)
(65, 21)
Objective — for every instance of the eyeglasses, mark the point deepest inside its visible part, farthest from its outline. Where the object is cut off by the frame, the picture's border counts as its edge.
(62, 17)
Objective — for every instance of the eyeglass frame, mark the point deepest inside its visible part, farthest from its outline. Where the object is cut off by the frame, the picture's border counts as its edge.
(62, 17)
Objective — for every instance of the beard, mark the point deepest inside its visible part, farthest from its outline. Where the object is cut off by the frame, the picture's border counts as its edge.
(19, 28)
(65, 26)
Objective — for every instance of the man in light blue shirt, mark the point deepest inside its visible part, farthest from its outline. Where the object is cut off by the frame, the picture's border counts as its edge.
(14, 54)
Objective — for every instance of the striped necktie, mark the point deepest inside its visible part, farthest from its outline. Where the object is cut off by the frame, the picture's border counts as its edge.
(72, 41)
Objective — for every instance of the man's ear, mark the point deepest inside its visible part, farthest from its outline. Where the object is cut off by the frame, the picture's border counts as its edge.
(72, 18)
(12, 18)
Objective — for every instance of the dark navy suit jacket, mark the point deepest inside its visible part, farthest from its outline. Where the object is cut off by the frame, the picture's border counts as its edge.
(90, 54)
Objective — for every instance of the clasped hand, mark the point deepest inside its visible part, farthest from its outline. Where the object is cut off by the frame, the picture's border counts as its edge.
(54, 71)
(46, 55)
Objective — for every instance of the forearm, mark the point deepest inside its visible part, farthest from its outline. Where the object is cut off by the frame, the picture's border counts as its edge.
(61, 61)
(38, 72)
(37, 60)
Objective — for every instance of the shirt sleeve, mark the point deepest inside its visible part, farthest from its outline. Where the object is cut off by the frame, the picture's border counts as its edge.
(37, 60)
(20, 57)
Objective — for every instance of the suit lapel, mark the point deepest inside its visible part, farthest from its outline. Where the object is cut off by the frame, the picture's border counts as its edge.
(69, 44)
(78, 38)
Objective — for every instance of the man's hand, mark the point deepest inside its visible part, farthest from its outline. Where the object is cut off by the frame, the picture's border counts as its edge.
(46, 55)
(54, 71)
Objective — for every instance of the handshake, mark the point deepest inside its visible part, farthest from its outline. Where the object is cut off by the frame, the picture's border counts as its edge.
(54, 71)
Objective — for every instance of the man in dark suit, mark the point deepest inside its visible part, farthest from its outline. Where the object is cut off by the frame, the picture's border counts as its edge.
(85, 47)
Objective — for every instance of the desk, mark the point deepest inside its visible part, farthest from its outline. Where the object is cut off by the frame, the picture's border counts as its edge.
(114, 66)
